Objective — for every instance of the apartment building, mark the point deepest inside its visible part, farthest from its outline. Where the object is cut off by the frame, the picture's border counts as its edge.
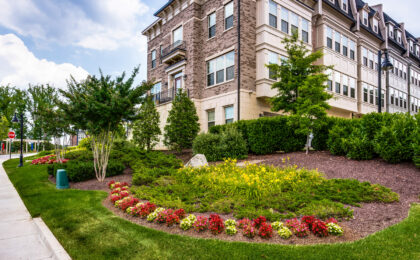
(217, 51)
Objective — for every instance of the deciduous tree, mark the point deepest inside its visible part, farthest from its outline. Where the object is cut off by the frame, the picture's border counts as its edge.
(146, 129)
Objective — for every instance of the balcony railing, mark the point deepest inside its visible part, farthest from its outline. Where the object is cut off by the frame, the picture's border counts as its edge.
(165, 96)
(178, 45)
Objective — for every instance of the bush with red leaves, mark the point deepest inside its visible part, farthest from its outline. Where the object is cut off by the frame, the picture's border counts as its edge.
(331, 220)
(161, 217)
(145, 209)
(172, 219)
(200, 224)
(319, 228)
(259, 221)
(180, 213)
(265, 231)
(308, 220)
(115, 197)
(216, 225)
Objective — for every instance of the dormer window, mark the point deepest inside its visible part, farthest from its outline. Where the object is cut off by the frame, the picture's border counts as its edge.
(344, 4)
(375, 25)
(391, 30)
(399, 36)
(417, 50)
(365, 18)
(411, 46)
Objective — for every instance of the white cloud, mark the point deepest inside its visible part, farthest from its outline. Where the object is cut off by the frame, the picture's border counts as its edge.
(19, 66)
(98, 25)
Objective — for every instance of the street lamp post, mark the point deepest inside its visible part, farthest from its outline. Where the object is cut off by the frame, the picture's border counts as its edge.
(386, 65)
(15, 120)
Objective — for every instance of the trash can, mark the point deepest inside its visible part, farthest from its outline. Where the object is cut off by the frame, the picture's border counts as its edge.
(62, 182)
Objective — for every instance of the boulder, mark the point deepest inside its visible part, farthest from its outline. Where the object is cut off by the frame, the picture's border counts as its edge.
(197, 161)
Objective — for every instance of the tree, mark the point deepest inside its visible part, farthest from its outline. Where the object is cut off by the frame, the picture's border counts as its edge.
(182, 125)
(4, 127)
(301, 88)
(146, 129)
(99, 105)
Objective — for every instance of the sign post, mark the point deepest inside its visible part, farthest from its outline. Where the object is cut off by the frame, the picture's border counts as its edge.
(12, 136)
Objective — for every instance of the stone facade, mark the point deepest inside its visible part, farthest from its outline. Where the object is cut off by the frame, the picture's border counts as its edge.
(353, 23)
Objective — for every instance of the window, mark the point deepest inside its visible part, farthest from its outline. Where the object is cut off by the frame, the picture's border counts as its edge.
(371, 96)
(329, 81)
(375, 25)
(382, 99)
(273, 58)
(153, 59)
(229, 114)
(155, 91)
(375, 59)
(391, 30)
(305, 30)
(177, 37)
(352, 50)
(391, 96)
(345, 85)
(329, 37)
(411, 46)
(272, 19)
(352, 83)
(337, 83)
(405, 72)
(405, 100)
(344, 5)
(370, 59)
(399, 36)
(221, 69)
(365, 56)
(229, 15)
(365, 18)
(376, 97)
(337, 42)
(212, 25)
(211, 118)
(401, 99)
(365, 92)
(345, 45)
(295, 23)
(284, 20)
(396, 97)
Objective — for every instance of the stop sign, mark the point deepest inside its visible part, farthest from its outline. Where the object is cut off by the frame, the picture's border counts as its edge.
(12, 135)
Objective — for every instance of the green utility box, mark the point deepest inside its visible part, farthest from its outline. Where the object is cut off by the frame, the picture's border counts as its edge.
(62, 182)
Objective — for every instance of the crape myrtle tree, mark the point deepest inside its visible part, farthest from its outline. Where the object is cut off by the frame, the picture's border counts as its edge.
(146, 129)
(99, 105)
(182, 124)
(301, 86)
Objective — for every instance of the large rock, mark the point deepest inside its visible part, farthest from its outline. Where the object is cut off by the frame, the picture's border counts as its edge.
(197, 161)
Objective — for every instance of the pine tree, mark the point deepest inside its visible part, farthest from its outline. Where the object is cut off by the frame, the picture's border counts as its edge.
(301, 85)
(182, 125)
(146, 129)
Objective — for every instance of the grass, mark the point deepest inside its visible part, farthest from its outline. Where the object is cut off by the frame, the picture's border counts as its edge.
(87, 230)
(254, 190)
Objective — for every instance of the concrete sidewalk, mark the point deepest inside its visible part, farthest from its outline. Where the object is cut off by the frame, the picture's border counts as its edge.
(21, 236)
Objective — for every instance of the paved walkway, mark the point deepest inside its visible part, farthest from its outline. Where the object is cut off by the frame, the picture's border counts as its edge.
(21, 236)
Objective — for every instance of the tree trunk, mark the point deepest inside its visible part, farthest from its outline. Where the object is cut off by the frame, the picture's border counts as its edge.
(101, 148)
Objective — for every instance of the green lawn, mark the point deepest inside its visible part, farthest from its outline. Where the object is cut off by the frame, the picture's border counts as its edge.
(87, 230)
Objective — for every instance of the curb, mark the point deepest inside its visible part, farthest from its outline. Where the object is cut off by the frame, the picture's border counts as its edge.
(50, 241)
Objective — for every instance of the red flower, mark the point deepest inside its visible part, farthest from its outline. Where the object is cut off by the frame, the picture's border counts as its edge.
(308, 220)
(319, 228)
(180, 213)
(172, 219)
(265, 231)
(259, 221)
(216, 225)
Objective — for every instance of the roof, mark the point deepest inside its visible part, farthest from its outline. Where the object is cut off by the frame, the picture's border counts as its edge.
(163, 7)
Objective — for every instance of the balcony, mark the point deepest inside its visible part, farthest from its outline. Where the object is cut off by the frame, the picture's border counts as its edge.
(165, 96)
(174, 53)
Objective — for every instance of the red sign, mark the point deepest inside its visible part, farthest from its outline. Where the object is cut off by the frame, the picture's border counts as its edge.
(12, 135)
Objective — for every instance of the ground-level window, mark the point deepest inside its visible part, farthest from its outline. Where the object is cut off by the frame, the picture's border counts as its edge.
(211, 115)
(229, 114)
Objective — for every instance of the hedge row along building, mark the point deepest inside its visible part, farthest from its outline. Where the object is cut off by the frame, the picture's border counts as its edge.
(217, 51)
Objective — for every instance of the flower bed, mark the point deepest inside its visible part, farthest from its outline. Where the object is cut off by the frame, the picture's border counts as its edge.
(50, 159)
(214, 223)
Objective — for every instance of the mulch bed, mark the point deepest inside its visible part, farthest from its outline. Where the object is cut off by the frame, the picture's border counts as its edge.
(403, 178)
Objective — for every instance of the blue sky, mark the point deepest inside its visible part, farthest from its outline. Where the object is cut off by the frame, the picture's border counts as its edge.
(44, 41)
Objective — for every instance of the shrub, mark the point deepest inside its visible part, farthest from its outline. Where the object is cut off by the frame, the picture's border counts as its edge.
(265, 230)
(147, 208)
(188, 222)
(394, 142)
(358, 146)
(231, 230)
(85, 143)
(321, 133)
(319, 228)
(200, 224)
(162, 215)
(228, 144)
(230, 222)
(298, 228)
(337, 136)
(308, 220)
(334, 229)
(244, 222)
(180, 213)
(216, 225)
(153, 216)
(143, 175)
(172, 219)
(284, 233)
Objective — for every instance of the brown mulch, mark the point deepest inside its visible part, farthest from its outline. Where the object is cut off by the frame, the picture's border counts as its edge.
(403, 178)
